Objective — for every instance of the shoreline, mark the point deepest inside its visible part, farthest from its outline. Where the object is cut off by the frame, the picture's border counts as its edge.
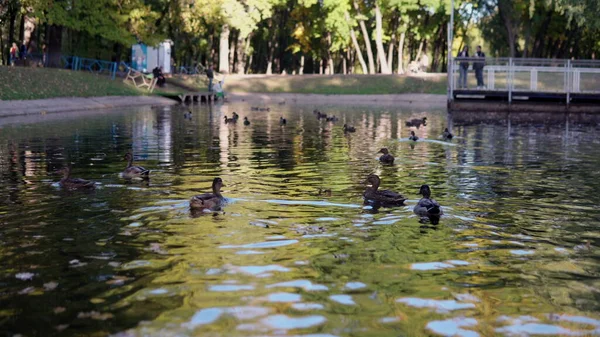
(68, 104)
(417, 100)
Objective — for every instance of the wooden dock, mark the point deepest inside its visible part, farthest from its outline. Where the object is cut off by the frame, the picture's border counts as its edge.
(200, 97)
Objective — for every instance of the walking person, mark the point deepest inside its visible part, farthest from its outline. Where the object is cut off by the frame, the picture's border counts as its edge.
(14, 54)
(211, 75)
(478, 66)
(463, 68)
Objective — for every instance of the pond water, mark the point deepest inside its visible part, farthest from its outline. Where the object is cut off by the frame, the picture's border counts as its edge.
(515, 254)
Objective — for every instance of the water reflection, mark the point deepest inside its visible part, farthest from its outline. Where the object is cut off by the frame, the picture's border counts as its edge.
(295, 252)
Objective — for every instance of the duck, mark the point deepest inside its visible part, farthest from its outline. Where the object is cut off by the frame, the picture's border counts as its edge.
(235, 116)
(229, 120)
(74, 183)
(246, 121)
(386, 158)
(447, 134)
(427, 206)
(282, 121)
(382, 197)
(331, 119)
(417, 122)
(413, 137)
(349, 128)
(209, 201)
(321, 115)
(187, 115)
(133, 171)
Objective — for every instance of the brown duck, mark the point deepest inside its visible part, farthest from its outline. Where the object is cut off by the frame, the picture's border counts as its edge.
(381, 197)
(133, 171)
(386, 158)
(74, 183)
(209, 201)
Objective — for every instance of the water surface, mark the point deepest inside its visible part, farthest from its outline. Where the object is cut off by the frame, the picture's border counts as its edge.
(515, 253)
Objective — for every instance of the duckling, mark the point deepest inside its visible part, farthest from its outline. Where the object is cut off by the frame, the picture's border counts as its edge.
(427, 206)
(282, 121)
(133, 171)
(254, 108)
(74, 183)
(413, 137)
(331, 119)
(229, 120)
(209, 201)
(417, 122)
(386, 158)
(349, 128)
(235, 116)
(246, 121)
(447, 134)
(381, 197)
(264, 109)
(324, 192)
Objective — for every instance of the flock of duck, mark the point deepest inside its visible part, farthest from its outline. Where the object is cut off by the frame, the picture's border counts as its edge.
(214, 201)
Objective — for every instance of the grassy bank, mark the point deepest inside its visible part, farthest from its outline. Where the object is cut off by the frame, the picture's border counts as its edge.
(323, 84)
(17, 83)
(36, 83)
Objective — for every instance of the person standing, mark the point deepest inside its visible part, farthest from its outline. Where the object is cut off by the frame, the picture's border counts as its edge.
(44, 55)
(478, 66)
(463, 68)
(14, 53)
(211, 75)
(23, 51)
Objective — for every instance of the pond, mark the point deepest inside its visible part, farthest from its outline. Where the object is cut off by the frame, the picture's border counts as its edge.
(295, 252)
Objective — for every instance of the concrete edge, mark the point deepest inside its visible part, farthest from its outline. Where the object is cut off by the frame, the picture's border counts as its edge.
(69, 104)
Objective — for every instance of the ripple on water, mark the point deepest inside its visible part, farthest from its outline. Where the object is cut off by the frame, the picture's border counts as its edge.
(260, 271)
(211, 315)
(307, 306)
(284, 297)
(354, 285)
(453, 327)
(438, 265)
(229, 287)
(441, 306)
(285, 322)
(266, 244)
(343, 299)
(304, 284)
(521, 252)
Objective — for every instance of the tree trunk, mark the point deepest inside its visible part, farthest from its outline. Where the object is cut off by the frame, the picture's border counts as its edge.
(272, 44)
(363, 28)
(390, 55)
(329, 56)
(301, 71)
(54, 45)
(419, 50)
(385, 69)
(224, 50)
(344, 65)
(506, 12)
(241, 54)
(401, 54)
(232, 44)
(356, 46)
(393, 41)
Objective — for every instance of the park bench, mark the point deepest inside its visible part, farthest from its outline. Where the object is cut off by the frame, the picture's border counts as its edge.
(141, 80)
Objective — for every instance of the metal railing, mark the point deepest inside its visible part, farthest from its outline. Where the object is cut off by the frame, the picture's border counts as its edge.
(523, 75)
(91, 65)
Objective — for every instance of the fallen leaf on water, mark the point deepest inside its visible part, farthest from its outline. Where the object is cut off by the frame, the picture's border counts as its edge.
(61, 327)
(27, 290)
(95, 315)
(59, 310)
(118, 280)
(50, 285)
(25, 276)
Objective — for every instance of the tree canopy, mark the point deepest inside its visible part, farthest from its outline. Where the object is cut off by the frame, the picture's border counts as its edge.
(306, 36)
